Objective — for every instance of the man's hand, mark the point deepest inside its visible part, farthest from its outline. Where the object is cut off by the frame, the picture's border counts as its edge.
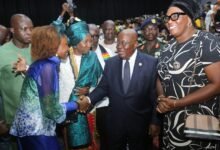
(154, 131)
(82, 91)
(166, 104)
(3, 127)
(20, 65)
(83, 104)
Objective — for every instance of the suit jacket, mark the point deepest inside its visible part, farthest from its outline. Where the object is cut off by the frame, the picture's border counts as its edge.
(136, 107)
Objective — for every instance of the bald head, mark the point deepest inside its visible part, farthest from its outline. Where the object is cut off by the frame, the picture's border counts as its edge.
(131, 33)
(17, 18)
(108, 22)
(2, 28)
(21, 27)
(127, 43)
(4, 33)
(93, 27)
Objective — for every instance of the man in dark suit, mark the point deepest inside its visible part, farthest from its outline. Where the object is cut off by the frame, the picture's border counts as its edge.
(129, 81)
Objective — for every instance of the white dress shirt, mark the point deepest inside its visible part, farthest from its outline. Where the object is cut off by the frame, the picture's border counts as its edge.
(131, 60)
(111, 47)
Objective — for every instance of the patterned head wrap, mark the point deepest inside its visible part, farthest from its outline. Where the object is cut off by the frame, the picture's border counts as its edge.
(76, 32)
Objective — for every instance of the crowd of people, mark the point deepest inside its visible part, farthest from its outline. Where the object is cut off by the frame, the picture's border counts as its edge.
(122, 85)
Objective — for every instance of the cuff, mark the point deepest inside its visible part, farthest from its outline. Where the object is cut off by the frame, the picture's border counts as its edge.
(88, 99)
(71, 106)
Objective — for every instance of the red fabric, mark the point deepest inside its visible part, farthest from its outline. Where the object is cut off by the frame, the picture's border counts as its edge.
(91, 121)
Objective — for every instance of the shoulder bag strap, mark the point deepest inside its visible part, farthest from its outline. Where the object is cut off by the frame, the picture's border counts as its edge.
(194, 67)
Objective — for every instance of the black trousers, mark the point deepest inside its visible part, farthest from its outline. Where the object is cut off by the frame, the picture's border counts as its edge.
(101, 126)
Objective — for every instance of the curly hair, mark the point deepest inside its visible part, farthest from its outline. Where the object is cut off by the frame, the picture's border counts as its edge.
(45, 41)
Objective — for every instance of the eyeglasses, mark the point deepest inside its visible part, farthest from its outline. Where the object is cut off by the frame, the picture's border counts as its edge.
(173, 16)
(95, 36)
(123, 43)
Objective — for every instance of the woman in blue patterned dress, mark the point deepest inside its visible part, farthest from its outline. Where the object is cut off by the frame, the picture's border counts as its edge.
(186, 92)
(39, 111)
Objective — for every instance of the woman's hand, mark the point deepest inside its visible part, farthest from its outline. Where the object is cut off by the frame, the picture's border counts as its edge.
(165, 104)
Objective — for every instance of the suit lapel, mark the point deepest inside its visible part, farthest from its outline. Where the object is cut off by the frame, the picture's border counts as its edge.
(118, 74)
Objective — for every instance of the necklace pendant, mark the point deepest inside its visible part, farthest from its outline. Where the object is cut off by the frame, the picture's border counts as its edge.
(176, 65)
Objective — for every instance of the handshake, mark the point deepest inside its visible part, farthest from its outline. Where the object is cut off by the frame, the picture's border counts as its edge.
(84, 104)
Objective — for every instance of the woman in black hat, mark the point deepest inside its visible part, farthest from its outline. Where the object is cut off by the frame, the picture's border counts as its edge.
(189, 74)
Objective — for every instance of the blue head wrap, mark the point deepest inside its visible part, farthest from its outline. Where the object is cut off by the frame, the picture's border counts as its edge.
(76, 32)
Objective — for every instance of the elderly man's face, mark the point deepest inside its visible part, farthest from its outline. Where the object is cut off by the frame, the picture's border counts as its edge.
(109, 31)
(126, 45)
(95, 37)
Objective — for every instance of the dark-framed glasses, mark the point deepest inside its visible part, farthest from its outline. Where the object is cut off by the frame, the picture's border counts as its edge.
(95, 36)
(173, 16)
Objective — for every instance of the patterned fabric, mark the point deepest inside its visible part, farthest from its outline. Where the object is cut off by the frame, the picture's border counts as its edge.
(105, 54)
(90, 71)
(39, 109)
(76, 32)
(175, 70)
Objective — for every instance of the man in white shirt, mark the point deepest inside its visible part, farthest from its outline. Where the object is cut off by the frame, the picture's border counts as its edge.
(109, 31)
(101, 108)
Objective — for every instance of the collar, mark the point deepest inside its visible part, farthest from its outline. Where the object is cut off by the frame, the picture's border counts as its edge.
(157, 45)
(133, 56)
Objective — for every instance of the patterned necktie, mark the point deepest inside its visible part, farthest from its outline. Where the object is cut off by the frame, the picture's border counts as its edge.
(126, 79)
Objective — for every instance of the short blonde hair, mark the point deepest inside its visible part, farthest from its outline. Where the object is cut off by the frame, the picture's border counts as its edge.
(45, 41)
